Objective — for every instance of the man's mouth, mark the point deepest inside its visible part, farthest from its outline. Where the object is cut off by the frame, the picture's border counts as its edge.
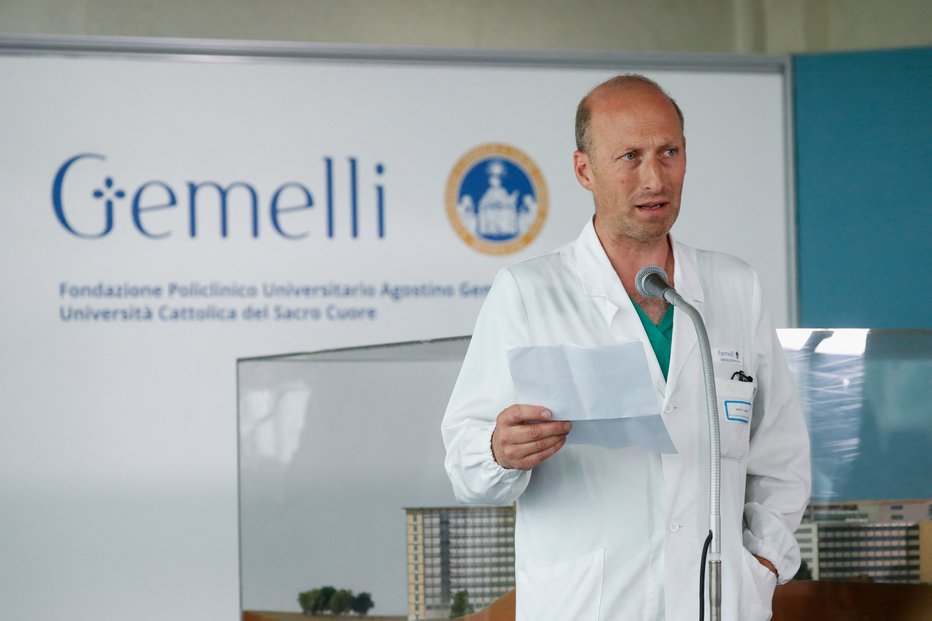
(652, 206)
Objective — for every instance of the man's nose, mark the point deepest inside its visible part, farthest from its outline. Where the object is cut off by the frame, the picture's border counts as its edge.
(652, 175)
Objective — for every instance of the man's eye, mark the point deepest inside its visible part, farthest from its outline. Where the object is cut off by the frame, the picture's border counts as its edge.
(671, 152)
(629, 156)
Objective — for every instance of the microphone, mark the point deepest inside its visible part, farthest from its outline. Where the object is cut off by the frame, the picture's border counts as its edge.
(651, 282)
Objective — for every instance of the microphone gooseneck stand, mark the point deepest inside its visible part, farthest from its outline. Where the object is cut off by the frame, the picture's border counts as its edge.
(651, 281)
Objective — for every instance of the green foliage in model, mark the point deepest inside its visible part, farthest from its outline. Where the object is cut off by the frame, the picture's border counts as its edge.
(341, 601)
(362, 603)
(326, 593)
(461, 606)
(308, 601)
(329, 599)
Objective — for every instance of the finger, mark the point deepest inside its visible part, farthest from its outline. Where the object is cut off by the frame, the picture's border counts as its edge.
(543, 434)
(532, 460)
(521, 413)
(521, 451)
(531, 432)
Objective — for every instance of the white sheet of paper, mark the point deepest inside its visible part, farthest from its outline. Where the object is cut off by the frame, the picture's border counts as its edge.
(607, 392)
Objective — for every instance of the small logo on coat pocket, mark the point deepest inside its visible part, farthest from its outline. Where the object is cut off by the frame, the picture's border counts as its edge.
(728, 355)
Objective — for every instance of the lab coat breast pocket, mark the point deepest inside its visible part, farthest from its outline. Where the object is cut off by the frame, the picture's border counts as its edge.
(564, 590)
(735, 409)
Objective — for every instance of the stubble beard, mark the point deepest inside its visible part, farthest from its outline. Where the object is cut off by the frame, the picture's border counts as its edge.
(622, 228)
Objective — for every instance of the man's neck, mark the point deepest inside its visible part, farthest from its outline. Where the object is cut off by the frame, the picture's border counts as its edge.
(627, 256)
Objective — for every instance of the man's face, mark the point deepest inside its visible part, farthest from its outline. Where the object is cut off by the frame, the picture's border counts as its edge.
(635, 164)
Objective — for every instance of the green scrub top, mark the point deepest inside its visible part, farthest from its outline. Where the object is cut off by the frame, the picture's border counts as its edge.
(660, 335)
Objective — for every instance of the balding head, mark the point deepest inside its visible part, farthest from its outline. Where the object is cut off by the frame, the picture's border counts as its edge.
(626, 82)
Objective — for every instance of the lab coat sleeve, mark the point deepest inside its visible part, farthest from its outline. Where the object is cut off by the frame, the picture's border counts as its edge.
(483, 389)
(778, 474)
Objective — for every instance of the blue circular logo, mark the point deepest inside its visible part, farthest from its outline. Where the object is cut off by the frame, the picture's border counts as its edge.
(496, 199)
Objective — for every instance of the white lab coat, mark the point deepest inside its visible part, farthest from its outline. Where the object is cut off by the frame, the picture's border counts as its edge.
(616, 534)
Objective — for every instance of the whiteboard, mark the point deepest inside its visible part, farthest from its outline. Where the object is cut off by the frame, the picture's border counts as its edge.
(127, 425)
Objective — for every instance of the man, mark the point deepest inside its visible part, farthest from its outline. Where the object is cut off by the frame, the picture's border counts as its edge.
(617, 533)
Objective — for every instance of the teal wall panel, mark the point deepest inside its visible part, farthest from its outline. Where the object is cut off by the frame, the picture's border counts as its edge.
(864, 188)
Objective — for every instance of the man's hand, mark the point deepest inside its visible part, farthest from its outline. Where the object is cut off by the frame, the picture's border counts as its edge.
(524, 436)
(766, 564)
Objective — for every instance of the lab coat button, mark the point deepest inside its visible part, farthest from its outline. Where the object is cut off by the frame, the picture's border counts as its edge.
(674, 527)
(668, 409)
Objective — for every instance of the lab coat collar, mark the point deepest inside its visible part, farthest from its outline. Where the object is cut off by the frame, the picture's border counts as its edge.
(599, 277)
(595, 270)
(686, 273)
(687, 283)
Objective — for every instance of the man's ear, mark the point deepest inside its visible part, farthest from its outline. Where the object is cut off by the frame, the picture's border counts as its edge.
(583, 169)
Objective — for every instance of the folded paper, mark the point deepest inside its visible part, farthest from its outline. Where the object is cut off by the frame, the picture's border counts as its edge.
(606, 391)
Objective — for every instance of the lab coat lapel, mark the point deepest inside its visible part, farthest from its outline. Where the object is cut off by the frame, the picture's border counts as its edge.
(601, 283)
(685, 343)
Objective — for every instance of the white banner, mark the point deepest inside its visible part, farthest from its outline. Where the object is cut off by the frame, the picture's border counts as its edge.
(162, 218)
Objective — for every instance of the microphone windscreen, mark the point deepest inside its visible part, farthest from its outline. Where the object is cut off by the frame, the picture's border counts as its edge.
(647, 288)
